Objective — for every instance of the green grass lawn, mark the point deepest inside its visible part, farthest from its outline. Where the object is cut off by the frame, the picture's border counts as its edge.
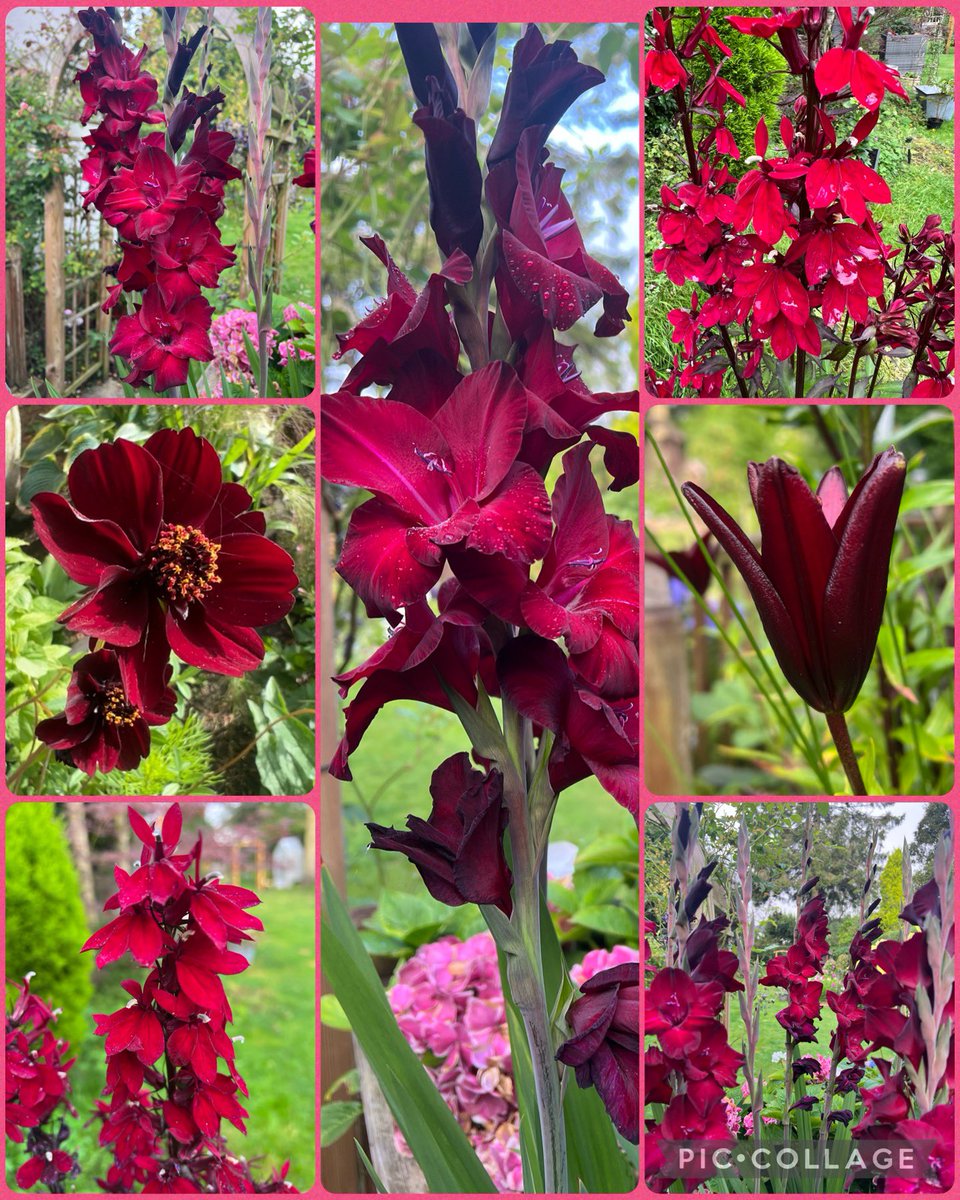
(772, 1037)
(273, 1005)
(391, 777)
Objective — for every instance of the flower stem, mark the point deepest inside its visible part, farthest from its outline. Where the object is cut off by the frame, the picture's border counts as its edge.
(836, 723)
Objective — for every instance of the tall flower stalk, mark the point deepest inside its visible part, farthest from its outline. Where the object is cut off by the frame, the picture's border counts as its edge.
(749, 1008)
(257, 185)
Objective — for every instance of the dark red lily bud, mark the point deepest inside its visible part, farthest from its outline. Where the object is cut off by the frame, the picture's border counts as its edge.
(605, 1047)
(459, 849)
(820, 580)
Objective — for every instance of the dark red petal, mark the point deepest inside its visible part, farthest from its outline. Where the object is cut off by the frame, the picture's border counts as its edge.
(207, 916)
(203, 641)
(172, 826)
(615, 1072)
(483, 422)
(377, 562)
(146, 939)
(119, 480)
(202, 986)
(59, 734)
(230, 514)
(857, 587)
(124, 1027)
(256, 581)
(179, 1122)
(561, 295)
(191, 472)
(140, 827)
(30, 1172)
(773, 614)
(833, 70)
(116, 612)
(170, 372)
(515, 520)
(150, 1037)
(388, 448)
(81, 546)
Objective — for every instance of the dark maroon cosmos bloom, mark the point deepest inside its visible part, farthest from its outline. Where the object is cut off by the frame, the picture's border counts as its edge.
(170, 554)
(605, 1047)
(820, 580)
(458, 850)
(101, 728)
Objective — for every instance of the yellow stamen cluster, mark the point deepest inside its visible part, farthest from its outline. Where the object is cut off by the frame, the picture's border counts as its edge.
(183, 563)
(116, 709)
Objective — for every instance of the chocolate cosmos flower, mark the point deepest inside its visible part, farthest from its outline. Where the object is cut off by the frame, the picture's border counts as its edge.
(458, 850)
(820, 579)
(171, 556)
(605, 1047)
(101, 728)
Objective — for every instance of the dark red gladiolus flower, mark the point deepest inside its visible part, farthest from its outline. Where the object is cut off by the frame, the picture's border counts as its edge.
(590, 571)
(424, 59)
(188, 111)
(594, 736)
(820, 580)
(101, 729)
(188, 256)
(677, 1009)
(422, 650)
(145, 198)
(684, 1122)
(545, 270)
(935, 1132)
(170, 554)
(458, 850)
(407, 326)
(805, 1103)
(210, 151)
(160, 340)
(436, 484)
(309, 177)
(605, 1047)
(544, 81)
(784, 970)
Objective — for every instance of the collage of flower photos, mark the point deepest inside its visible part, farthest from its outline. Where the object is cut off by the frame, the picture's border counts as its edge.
(360, 834)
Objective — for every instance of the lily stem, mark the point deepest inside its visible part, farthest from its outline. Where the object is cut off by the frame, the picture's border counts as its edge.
(837, 724)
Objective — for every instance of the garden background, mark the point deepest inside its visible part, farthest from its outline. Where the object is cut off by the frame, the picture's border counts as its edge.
(236, 737)
(59, 860)
(43, 146)
(918, 161)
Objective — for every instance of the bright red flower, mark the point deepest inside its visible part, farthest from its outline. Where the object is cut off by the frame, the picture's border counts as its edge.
(686, 326)
(101, 727)
(171, 556)
(50, 1167)
(135, 931)
(135, 1028)
(662, 69)
(309, 177)
(866, 78)
(188, 256)
(848, 181)
(935, 1129)
(760, 196)
(766, 27)
(678, 1010)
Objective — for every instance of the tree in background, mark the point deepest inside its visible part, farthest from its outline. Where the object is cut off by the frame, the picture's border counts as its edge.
(45, 919)
(891, 893)
(935, 820)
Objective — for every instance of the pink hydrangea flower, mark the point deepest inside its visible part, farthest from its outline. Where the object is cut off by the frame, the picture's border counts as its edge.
(600, 960)
(229, 348)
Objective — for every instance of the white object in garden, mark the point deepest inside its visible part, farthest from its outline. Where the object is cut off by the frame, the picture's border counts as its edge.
(287, 862)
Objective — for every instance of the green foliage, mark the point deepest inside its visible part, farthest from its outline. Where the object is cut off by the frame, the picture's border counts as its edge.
(599, 906)
(285, 744)
(891, 893)
(934, 822)
(45, 922)
(404, 921)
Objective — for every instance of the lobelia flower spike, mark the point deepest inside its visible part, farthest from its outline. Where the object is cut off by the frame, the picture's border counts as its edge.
(164, 1126)
(37, 1086)
(820, 579)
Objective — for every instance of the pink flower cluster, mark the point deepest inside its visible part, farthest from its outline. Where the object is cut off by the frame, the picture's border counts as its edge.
(449, 1004)
(36, 1086)
(287, 348)
(601, 960)
(230, 350)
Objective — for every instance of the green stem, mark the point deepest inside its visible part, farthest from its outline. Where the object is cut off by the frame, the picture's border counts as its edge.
(825, 1120)
(836, 723)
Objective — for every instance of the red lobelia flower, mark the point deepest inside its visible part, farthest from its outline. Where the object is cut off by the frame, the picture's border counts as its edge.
(662, 69)
(135, 1027)
(101, 728)
(866, 78)
(605, 1047)
(160, 340)
(820, 582)
(170, 554)
(458, 850)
